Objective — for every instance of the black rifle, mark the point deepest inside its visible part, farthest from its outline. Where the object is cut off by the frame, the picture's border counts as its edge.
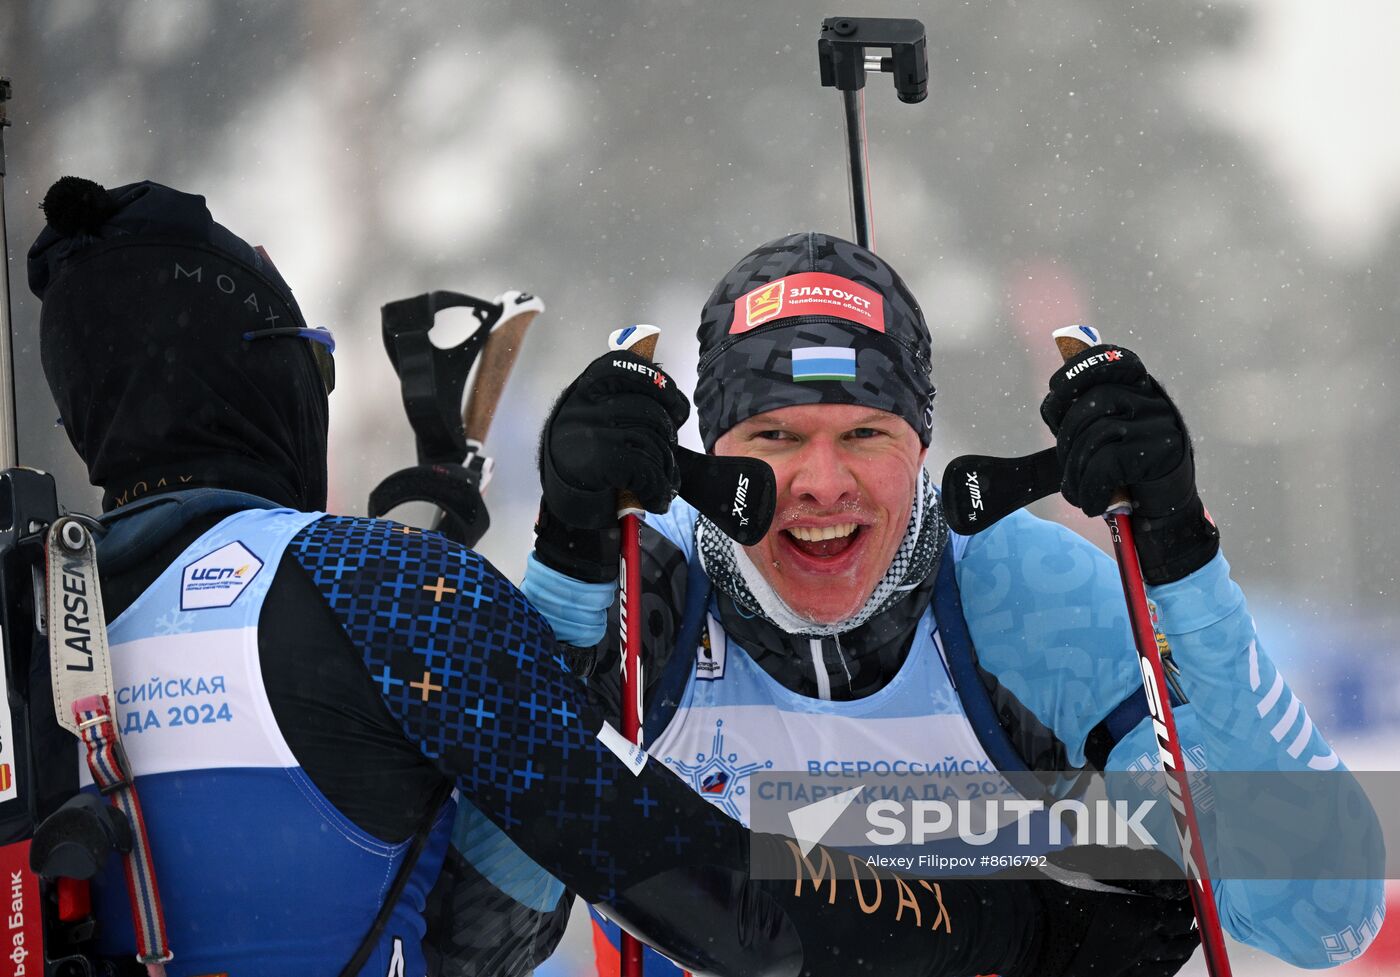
(842, 51)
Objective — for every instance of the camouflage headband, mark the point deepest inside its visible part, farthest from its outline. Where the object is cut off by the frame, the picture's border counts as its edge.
(812, 319)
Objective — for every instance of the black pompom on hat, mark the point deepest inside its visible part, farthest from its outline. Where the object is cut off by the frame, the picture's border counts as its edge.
(77, 206)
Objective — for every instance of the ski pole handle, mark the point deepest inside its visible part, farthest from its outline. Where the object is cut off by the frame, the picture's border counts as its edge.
(1071, 341)
(498, 357)
(640, 340)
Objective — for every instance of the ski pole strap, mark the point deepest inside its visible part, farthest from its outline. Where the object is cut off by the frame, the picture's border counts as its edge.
(112, 774)
(81, 671)
(79, 664)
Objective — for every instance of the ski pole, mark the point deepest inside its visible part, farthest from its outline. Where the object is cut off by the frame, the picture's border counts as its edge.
(498, 357)
(449, 435)
(844, 63)
(8, 436)
(640, 340)
(1071, 342)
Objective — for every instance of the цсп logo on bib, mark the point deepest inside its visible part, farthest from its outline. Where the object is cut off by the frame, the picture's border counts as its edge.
(216, 580)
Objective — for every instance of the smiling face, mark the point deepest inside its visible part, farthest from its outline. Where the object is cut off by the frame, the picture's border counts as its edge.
(847, 476)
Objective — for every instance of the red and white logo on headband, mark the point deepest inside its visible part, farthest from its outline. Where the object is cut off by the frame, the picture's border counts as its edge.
(809, 293)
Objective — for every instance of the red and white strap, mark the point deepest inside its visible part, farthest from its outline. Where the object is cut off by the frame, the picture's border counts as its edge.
(111, 773)
(81, 672)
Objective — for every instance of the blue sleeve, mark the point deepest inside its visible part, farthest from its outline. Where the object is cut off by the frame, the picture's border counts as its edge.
(578, 611)
(472, 674)
(1045, 609)
(491, 907)
(1257, 723)
(1243, 716)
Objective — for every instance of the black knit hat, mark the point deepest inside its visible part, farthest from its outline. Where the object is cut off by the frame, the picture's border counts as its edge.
(812, 319)
(161, 337)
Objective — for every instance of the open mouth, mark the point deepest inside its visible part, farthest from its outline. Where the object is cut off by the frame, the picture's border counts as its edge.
(824, 542)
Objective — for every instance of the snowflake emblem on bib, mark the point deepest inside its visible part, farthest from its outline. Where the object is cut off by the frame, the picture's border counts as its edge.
(173, 623)
(718, 777)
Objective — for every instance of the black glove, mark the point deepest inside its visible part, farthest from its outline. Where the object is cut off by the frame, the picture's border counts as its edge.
(1116, 428)
(614, 428)
(1146, 932)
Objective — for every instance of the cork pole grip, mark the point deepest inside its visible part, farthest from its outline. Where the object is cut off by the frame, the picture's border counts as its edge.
(1070, 347)
(1071, 341)
(497, 359)
(646, 347)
